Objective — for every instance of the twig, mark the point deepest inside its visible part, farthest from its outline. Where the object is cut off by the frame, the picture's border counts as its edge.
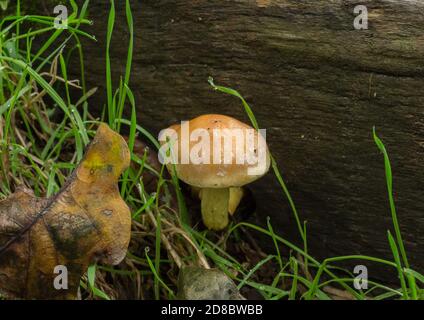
(165, 241)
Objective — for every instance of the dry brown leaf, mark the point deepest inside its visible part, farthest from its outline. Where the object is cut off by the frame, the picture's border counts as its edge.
(87, 221)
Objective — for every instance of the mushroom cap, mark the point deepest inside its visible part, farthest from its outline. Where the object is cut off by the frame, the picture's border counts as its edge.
(229, 172)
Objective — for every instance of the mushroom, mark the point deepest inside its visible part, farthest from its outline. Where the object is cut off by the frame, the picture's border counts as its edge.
(236, 194)
(219, 155)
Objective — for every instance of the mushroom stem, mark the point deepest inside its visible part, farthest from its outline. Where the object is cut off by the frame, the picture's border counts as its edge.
(236, 193)
(214, 207)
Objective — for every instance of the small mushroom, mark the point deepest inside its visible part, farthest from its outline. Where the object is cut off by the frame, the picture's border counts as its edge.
(236, 194)
(219, 155)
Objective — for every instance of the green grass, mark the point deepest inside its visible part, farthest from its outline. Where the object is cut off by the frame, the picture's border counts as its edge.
(41, 143)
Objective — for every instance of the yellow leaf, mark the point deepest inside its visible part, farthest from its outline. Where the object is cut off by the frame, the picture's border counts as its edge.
(86, 222)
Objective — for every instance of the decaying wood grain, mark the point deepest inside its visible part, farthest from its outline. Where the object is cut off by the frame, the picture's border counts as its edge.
(87, 221)
(315, 83)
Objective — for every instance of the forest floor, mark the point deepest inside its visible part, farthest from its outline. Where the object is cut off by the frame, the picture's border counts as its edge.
(44, 132)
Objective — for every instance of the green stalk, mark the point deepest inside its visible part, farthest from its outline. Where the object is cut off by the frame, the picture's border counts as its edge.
(214, 207)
